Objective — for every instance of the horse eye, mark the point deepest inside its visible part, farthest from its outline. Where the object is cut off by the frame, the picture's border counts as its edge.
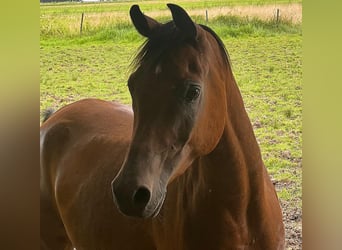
(192, 93)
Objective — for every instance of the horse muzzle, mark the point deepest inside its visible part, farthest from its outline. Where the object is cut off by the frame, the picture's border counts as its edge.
(137, 200)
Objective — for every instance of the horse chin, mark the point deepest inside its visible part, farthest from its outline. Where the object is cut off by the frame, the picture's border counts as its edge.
(153, 212)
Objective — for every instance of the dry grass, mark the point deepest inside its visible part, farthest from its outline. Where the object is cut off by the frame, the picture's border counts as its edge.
(289, 12)
(70, 23)
(104, 18)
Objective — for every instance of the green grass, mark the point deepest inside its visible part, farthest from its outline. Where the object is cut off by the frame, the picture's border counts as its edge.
(266, 60)
(123, 32)
(73, 72)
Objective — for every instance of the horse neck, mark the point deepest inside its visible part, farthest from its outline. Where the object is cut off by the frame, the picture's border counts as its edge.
(234, 170)
(238, 147)
(218, 185)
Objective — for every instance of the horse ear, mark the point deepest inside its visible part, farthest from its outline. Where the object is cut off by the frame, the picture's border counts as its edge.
(144, 24)
(182, 20)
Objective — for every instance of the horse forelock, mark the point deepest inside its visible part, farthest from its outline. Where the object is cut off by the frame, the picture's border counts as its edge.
(167, 37)
(154, 48)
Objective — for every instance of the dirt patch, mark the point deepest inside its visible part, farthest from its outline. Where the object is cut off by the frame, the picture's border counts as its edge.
(292, 217)
(291, 207)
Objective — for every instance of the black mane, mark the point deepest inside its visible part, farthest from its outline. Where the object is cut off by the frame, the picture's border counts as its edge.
(224, 52)
(47, 113)
(167, 37)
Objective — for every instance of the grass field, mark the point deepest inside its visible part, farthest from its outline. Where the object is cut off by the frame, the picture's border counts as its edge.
(266, 58)
(63, 20)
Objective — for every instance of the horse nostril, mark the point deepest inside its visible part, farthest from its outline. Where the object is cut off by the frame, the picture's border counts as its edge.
(141, 196)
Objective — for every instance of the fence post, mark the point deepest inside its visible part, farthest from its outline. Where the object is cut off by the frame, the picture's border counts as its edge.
(81, 23)
(278, 15)
(206, 16)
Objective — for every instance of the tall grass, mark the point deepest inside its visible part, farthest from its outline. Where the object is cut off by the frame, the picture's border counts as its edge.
(121, 30)
(60, 23)
(233, 26)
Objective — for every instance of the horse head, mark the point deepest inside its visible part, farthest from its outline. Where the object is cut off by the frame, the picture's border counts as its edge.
(179, 103)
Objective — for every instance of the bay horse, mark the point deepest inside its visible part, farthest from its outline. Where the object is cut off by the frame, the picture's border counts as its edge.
(181, 170)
